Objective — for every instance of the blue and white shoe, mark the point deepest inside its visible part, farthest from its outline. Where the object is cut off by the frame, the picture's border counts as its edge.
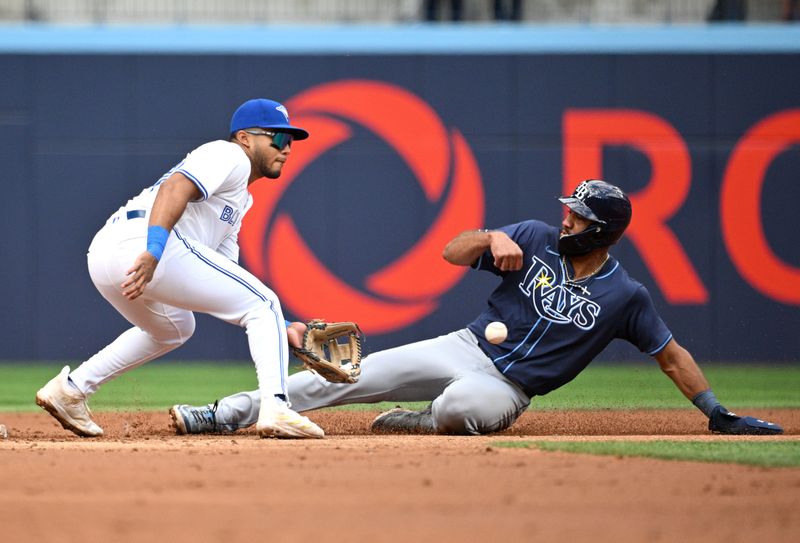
(188, 419)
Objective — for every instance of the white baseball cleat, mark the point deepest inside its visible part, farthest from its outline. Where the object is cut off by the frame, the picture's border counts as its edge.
(275, 419)
(68, 406)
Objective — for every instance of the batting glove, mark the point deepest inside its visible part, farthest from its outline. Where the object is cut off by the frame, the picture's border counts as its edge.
(723, 421)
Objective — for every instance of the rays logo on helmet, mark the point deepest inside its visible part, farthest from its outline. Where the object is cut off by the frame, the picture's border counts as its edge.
(582, 190)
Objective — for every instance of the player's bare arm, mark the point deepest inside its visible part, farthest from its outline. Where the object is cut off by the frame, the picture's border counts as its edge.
(170, 203)
(676, 362)
(468, 246)
(679, 365)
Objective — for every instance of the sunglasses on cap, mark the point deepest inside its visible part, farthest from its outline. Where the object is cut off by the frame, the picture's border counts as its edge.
(280, 140)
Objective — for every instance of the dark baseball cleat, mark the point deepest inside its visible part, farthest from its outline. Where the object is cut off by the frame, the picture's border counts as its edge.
(404, 421)
(188, 419)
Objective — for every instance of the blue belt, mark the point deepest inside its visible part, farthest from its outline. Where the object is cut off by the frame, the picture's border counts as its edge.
(136, 214)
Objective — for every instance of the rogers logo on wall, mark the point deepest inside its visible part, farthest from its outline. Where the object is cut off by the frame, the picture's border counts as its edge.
(407, 289)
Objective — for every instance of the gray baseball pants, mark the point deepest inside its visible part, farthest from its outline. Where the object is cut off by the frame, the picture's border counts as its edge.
(469, 394)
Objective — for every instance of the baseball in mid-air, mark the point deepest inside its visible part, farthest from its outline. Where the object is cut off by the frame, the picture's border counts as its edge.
(496, 332)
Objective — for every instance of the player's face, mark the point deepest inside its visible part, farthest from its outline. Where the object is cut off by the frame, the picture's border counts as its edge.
(574, 224)
(268, 158)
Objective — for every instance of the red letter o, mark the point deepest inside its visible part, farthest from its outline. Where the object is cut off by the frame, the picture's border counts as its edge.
(740, 207)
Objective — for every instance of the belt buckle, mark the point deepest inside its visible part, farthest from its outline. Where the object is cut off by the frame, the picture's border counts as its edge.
(135, 214)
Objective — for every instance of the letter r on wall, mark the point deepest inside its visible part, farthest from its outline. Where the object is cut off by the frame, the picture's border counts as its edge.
(586, 131)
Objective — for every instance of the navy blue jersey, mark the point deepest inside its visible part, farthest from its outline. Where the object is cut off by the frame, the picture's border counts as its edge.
(556, 329)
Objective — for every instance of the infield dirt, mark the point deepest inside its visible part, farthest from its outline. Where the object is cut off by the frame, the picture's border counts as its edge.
(140, 482)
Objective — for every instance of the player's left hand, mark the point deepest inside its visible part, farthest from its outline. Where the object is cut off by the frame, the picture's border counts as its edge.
(723, 421)
(139, 275)
(295, 331)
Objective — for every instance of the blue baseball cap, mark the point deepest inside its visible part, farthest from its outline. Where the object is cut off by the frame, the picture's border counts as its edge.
(263, 113)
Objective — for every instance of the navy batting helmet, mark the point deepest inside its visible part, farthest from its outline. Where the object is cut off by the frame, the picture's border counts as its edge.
(606, 206)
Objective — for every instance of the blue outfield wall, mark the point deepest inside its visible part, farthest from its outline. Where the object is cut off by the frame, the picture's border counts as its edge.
(89, 117)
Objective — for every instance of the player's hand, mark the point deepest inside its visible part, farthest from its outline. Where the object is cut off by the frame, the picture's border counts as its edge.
(723, 421)
(507, 254)
(139, 275)
(295, 332)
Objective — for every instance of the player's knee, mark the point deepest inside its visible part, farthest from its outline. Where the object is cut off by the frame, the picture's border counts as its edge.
(261, 312)
(177, 333)
(465, 412)
(451, 415)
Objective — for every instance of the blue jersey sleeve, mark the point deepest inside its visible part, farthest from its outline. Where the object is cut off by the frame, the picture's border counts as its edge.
(523, 233)
(643, 326)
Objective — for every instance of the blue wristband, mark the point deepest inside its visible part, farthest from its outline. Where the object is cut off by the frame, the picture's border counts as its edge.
(156, 240)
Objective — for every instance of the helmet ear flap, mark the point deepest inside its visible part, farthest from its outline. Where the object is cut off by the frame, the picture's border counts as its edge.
(581, 243)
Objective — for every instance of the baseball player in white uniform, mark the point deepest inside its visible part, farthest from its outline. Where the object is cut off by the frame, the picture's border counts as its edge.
(173, 250)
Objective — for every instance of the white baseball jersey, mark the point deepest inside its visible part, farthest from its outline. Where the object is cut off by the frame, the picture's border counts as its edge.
(220, 170)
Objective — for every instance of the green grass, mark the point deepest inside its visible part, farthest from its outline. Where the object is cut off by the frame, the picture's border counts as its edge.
(641, 385)
(151, 387)
(769, 454)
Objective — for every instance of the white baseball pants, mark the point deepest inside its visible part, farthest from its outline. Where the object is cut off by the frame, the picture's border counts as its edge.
(189, 277)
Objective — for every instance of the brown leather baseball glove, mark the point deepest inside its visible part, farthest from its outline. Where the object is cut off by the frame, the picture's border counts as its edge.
(332, 350)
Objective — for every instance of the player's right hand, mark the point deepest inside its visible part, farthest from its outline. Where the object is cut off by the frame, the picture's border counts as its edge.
(507, 254)
(139, 275)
